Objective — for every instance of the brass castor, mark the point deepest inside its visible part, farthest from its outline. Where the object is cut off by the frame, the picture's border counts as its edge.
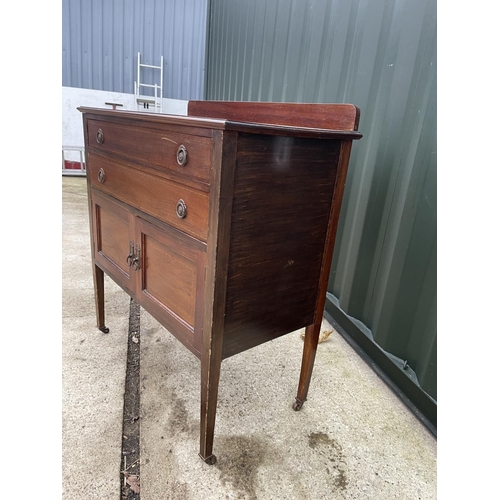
(104, 329)
(298, 404)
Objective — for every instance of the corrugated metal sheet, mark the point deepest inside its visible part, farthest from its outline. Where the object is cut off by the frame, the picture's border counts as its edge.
(381, 56)
(100, 42)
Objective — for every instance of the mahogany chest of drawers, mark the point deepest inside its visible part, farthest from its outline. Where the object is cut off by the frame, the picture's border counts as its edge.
(221, 224)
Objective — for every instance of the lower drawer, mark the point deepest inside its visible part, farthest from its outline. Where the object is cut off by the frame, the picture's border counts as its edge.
(183, 207)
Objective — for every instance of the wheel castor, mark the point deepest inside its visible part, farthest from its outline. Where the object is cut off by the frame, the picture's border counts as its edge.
(104, 329)
(298, 404)
(210, 460)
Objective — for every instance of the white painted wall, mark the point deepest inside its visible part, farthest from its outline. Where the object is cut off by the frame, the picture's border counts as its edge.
(72, 124)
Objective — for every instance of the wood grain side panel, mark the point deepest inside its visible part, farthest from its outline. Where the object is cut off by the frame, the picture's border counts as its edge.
(322, 116)
(283, 191)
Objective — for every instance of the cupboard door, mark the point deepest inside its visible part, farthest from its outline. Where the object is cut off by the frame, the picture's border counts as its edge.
(112, 239)
(171, 280)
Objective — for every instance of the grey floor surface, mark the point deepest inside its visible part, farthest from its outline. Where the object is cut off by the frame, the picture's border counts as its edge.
(354, 439)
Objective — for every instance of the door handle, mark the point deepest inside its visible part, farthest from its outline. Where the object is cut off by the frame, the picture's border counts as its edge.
(136, 262)
(130, 255)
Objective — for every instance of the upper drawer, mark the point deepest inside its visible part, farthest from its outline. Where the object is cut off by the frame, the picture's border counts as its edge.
(180, 206)
(188, 155)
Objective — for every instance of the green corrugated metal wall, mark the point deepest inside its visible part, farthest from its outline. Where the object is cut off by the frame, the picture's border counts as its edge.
(381, 56)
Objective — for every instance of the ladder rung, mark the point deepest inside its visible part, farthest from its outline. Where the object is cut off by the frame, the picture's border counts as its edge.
(148, 85)
(149, 66)
(146, 100)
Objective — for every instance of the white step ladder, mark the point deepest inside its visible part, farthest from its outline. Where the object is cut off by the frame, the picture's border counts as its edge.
(145, 101)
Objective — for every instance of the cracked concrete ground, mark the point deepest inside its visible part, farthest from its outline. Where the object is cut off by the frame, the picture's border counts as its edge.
(353, 439)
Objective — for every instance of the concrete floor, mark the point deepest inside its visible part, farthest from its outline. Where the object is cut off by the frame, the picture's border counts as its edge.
(353, 439)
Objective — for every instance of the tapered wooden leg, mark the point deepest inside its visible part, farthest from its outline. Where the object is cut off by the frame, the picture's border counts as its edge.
(308, 357)
(210, 373)
(99, 298)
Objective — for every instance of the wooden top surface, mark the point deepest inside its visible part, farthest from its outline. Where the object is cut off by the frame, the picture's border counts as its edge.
(329, 121)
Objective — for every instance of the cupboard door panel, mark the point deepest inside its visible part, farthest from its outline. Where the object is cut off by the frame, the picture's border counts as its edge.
(112, 235)
(178, 292)
(171, 280)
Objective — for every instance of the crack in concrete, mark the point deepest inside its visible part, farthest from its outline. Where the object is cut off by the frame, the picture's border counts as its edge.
(131, 446)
